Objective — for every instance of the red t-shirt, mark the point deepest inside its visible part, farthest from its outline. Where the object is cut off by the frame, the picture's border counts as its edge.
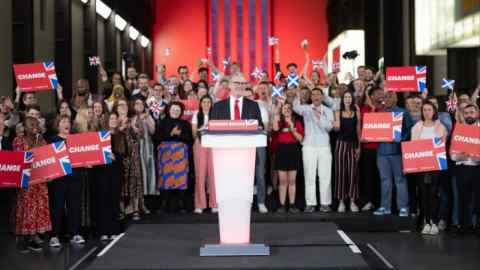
(284, 136)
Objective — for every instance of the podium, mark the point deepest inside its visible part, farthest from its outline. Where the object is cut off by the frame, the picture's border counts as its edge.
(234, 152)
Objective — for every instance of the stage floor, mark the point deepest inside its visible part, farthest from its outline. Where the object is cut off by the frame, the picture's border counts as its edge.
(318, 245)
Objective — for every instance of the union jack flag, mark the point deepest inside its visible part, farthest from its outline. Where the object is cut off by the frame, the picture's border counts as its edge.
(26, 172)
(257, 73)
(106, 145)
(60, 147)
(397, 119)
(156, 108)
(94, 61)
(421, 74)
(451, 104)
(440, 153)
(52, 75)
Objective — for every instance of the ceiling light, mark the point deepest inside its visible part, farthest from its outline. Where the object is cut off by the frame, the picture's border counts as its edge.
(103, 10)
(144, 41)
(120, 23)
(133, 33)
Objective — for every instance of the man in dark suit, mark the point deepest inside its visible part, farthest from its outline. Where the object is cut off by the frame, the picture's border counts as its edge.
(236, 107)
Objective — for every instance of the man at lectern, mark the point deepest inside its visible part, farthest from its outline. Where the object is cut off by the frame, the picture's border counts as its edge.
(236, 107)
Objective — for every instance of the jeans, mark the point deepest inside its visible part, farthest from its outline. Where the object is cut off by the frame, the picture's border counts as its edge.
(260, 170)
(468, 189)
(389, 166)
(455, 220)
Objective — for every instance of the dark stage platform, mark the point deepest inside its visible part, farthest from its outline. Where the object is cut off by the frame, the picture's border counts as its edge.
(318, 245)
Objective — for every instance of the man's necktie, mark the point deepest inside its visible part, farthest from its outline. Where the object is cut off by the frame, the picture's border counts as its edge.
(237, 110)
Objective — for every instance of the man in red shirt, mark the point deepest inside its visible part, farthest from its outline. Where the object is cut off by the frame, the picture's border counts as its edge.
(370, 178)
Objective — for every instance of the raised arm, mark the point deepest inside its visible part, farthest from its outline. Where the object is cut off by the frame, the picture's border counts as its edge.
(305, 66)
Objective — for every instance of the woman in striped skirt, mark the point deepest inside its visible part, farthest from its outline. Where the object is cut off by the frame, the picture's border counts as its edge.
(347, 152)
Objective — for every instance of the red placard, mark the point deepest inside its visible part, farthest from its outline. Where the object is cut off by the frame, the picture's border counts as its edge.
(424, 156)
(89, 149)
(15, 169)
(382, 127)
(233, 125)
(36, 77)
(466, 139)
(406, 79)
(49, 162)
(191, 107)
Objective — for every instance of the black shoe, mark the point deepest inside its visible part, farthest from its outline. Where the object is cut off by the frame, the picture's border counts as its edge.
(22, 246)
(34, 246)
(293, 209)
(281, 210)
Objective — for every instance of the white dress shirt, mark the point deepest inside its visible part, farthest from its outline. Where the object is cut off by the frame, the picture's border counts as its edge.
(232, 106)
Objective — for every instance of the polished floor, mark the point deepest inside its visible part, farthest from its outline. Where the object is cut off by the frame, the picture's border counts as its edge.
(384, 249)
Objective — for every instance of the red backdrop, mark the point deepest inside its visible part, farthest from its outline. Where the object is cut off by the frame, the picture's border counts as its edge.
(184, 26)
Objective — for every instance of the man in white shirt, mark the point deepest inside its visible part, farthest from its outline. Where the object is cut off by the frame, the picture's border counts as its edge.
(317, 156)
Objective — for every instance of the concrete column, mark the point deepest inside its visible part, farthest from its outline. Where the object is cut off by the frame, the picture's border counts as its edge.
(44, 41)
(6, 52)
(406, 31)
(440, 67)
(78, 56)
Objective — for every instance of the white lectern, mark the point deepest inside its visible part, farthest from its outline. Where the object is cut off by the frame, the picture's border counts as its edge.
(234, 169)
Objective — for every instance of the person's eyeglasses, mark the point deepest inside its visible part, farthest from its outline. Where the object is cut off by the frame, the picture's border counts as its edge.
(240, 83)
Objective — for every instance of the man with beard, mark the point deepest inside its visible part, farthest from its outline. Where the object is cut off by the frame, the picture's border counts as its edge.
(81, 97)
(143, 90)
(467, 171)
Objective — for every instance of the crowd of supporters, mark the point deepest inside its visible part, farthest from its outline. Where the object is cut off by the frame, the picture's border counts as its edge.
(314, 137)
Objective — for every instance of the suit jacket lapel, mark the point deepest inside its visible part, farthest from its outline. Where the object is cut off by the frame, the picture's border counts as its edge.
(227, 104)
(245, 109)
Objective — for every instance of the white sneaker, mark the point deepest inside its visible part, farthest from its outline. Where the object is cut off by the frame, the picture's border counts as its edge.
(77, 239)
(341, 207)
(54, 242)
(198, 211)
(214, 210)
(262, 208)
(353, 207)
(442, 225)
(426, 229)
(434, 230)
(104, 238)
(367, 207)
